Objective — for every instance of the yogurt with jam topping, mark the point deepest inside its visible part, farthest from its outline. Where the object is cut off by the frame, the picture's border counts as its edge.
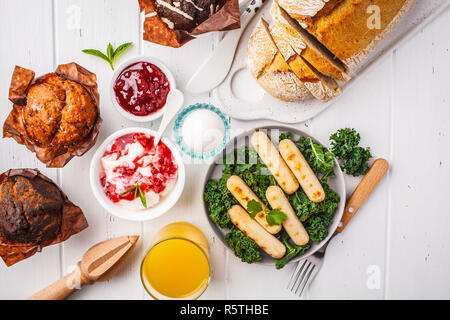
(132, 160)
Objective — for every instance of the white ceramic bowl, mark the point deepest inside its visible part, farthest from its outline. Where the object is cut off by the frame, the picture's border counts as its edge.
(162, 207)
(119, 70)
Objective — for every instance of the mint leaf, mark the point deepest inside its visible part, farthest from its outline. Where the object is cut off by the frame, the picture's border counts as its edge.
(111, 54)
(121, 49)
(253, 208)
(96, 53)
(136, 190)
(110, 51)
(275, 217)
(142, 196)
(128, 191)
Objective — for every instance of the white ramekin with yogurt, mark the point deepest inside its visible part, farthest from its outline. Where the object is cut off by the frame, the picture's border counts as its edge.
(134, 180)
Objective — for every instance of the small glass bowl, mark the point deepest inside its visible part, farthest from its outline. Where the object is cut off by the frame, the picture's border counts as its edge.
(179, 124)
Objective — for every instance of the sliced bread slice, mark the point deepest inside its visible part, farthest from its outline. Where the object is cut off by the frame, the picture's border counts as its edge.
(270, 69)
(321, 87)
(310, 49)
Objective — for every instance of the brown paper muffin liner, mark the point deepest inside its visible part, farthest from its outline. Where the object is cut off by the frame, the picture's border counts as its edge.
(54, 157)
(156, 31)
(72, 222)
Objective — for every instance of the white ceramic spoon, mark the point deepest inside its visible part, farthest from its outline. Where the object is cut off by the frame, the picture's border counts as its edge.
(174, 101)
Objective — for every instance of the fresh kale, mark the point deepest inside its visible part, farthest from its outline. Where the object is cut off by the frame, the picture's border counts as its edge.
(319, 158)
(358, 163)
(305, 208)
(317, 226)
(285, 135)
(292, 250)
(354, 159)
(243, 247)
(219, 200)
(344, 141)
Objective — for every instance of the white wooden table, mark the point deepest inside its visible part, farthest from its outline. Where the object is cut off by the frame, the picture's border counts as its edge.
(397, 247)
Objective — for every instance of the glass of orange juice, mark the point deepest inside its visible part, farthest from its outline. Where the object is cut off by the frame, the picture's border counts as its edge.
(177, 264)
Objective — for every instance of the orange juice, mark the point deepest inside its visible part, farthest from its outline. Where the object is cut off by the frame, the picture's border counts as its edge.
(177, 265)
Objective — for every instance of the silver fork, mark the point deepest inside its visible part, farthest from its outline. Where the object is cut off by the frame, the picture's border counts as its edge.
(308, 268)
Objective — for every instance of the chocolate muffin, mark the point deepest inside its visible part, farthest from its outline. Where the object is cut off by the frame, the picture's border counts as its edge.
(59, 112)
(185, 14)
(30, 209)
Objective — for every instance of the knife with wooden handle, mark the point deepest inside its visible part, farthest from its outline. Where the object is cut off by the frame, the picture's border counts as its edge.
(218, 64)
(363, 190)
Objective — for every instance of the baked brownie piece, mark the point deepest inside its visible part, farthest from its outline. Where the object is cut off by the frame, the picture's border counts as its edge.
(177, 14)
(30, 209)
(59, 112)
(185, 14)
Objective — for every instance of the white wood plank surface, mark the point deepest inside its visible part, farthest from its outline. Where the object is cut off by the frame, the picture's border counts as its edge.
(16, 24)
(399, 239)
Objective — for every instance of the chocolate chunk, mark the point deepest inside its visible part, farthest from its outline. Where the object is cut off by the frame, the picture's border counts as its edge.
(208, 9)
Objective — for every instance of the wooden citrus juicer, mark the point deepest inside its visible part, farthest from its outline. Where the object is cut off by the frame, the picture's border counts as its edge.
(99, 263)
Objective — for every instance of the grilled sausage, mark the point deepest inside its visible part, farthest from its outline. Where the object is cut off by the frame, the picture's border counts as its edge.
(292, 224)
(302, 171)
(271, 157)
(267, 242)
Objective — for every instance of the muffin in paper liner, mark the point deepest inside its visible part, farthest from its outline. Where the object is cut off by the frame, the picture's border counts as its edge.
(34, 213)
(160, 29)
(70, 87)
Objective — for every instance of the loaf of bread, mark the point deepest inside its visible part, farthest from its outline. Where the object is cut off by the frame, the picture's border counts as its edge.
(350, 29)
(270, 69)
(318, 41)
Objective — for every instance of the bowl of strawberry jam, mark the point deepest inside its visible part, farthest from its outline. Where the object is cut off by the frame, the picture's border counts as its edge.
(140, 87)
(135, 180)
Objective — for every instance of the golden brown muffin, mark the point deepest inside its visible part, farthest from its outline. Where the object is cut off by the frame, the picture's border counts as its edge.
(59, 112)
(30, 209)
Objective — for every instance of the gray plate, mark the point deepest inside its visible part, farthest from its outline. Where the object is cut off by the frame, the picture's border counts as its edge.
(336, 183)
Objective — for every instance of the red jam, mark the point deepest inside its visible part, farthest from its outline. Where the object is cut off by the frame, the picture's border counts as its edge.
(141, 89)
(133, 159)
